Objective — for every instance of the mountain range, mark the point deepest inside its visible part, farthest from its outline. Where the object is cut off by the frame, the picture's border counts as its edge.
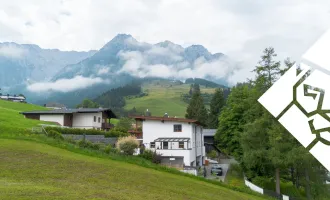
(24, 63)
(67, 77)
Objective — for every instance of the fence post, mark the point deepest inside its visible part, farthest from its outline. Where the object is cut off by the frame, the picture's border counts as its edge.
(42, 127)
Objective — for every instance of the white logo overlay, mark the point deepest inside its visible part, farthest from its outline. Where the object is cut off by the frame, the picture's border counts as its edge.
(300, 100)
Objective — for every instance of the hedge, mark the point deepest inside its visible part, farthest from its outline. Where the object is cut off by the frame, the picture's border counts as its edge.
(75, 131)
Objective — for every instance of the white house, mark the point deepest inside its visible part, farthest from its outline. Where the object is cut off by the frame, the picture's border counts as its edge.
(84, 118)
(13, 98)
(179, 141)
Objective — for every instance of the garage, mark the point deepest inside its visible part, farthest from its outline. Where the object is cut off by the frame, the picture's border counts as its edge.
(174, 161)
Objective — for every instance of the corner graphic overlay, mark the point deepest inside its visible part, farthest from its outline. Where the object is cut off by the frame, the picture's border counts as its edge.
(300, 100)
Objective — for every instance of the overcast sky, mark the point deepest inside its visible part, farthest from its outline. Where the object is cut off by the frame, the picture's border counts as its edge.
(239, 28)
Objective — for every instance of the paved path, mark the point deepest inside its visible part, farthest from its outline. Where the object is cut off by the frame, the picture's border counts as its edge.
(224, 172)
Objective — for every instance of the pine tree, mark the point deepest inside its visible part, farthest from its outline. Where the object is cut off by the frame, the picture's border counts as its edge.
(196, 109)
(217, 103)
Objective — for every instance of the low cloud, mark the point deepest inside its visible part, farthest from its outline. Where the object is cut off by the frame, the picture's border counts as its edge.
(11, 51)
(138, 64)
(65, 85)
(170, 53)
(103, 70)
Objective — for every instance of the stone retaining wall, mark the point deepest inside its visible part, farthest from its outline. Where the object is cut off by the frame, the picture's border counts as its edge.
(93, 138)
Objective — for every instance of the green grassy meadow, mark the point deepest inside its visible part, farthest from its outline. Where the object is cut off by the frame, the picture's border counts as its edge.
(163, 98)
(31, 170)
(11, 120)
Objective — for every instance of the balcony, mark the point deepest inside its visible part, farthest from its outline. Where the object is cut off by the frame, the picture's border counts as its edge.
(107, 126)
(137, 133)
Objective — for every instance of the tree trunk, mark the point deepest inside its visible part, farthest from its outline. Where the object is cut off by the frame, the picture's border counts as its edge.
(277, 175)
(308, 188)
(292, 176)
(297, 178)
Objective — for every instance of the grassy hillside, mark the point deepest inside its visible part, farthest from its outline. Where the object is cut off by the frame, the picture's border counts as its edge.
(31, 170)
(38, 167)
(163, 97)
(11, 120)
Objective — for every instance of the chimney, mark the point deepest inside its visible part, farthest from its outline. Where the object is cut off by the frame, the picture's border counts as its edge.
(166, 115)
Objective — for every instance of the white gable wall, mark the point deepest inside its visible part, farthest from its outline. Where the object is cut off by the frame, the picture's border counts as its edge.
(153, 129)
(86, 120)
(59, 118)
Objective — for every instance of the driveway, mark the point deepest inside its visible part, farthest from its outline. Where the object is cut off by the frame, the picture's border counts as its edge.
(225, 168)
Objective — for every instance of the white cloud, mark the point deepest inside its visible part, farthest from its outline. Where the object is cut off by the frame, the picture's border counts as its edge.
(11, 51)
(137, 64)
(166, 52)
(103, 70)
(239, 29)
(65, 85)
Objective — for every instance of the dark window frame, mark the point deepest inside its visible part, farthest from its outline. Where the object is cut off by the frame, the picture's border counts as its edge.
(94, 118)
(177, 127)
(99, 119)
(181, 145)
(152, 145)
(166, 145)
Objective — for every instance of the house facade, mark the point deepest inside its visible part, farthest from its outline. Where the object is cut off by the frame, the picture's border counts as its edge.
(84, 118)
(13, 98)
(179, 141)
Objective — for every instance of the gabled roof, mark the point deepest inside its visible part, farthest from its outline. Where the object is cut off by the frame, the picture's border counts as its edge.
(71, 111)
(173, 119)
(54, 104)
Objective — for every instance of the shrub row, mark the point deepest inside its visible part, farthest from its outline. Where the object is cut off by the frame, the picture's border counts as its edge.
(75, 131)
(151, 156)
(116, 132)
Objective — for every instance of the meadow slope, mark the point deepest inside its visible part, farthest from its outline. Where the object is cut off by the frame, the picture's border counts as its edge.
(162, 98)
(34, 166)
(10, 119)
(31, 170)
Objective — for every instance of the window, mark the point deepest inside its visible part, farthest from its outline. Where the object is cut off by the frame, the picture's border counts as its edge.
(177, 128)
(99, 119)
(152, 145)
(181, 145)
(165, 145)
(94, 118)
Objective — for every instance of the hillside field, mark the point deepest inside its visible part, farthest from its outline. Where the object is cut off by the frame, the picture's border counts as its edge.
(11, 120)
(163, 98)
(31, 170)
(37, 167)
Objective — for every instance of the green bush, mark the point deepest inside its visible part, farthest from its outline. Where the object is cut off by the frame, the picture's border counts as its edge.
(147, 154)
(75, 131)
(212, 154)
(127, 145)
(263, 182)
(55, 134)
(109, 149)
(153, 156)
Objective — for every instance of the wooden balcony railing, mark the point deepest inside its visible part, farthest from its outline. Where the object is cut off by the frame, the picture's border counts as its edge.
(107, 126)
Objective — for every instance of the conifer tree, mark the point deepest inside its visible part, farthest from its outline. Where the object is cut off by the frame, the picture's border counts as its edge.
(196, 109)
(217, 103)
